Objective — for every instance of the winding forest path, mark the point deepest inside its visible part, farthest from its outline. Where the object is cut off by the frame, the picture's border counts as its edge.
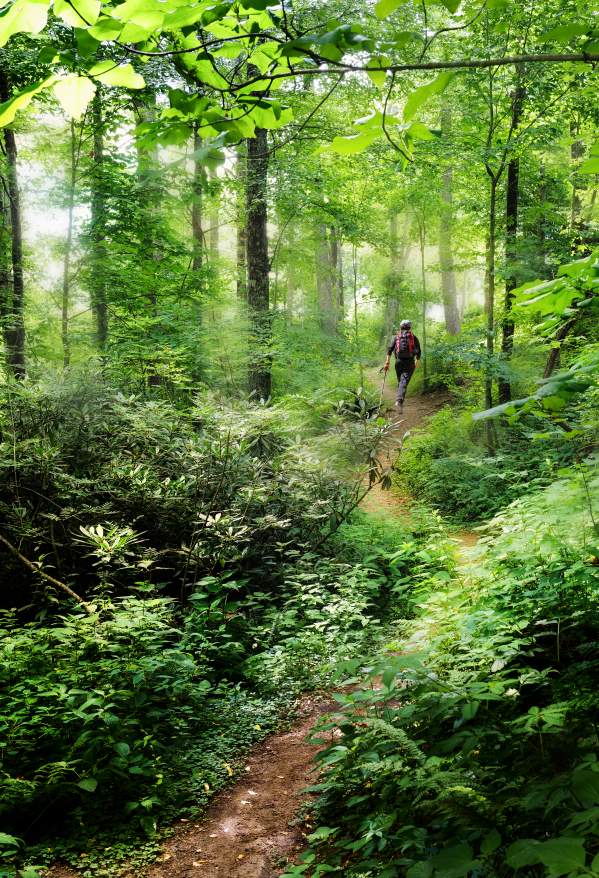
(416, 410)
(248, 830)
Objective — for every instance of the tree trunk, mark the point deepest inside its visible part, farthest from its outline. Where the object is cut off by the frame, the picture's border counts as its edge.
(5, 274)
(511, 244)
(147, 174)
(66, 264)
(241, 166)
(197, 233)
(553, 360)
(448, 285)
(260, 380)
(336, 280)
(398, 256)
(99, 253)
(325, 281)
(14, 327)
(340, 284)
(290, 274)
(354, 262)
(577, 150)
(422, 241)
(489, 309)
(214, 218)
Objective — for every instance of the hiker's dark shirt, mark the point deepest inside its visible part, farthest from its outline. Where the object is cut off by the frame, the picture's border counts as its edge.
(417, 353)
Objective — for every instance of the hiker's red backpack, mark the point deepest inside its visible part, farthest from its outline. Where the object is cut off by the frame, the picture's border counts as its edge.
(404, 344)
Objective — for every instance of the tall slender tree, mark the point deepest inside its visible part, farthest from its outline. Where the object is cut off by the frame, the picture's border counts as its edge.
(258, 265)
(14, 321)
(511, 241)
(241, 221)
(446, 261)
(99, 252)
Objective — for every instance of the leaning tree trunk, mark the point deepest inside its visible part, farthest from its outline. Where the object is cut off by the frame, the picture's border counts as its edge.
(511, 246)
(99, 254)
(14, 326)
(446, 263)
(260, 380)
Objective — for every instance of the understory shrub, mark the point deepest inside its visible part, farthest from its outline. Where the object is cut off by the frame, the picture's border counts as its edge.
(448, 467)
(478, 755)
(221, 583)
(107, 490)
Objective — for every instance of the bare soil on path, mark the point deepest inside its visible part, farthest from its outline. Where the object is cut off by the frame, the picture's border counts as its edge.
(249, 829)
(416, 410)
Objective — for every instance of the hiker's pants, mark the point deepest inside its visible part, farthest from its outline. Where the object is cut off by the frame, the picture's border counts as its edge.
(404, 369)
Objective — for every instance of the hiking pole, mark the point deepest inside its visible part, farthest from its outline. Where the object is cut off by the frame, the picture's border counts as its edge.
(384, 371)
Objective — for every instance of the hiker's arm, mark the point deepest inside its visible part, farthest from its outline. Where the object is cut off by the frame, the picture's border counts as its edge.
(390, 350)
(417, 352)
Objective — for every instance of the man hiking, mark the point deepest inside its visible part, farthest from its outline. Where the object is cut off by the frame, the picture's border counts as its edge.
(406, 348)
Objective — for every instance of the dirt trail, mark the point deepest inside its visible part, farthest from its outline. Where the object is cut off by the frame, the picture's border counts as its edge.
(249, 829)
(416, 410)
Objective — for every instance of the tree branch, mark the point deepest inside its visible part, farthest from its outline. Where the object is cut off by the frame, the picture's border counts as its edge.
(56, 582)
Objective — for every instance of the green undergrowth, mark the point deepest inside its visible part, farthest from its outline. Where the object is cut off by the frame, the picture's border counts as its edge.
(199, 539)
(476, 754)
(447, 466)
(123, 724)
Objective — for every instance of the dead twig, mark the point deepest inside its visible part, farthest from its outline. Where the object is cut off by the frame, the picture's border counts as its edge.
(46, 576)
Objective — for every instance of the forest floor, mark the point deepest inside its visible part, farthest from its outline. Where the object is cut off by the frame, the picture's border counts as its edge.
(250, 829)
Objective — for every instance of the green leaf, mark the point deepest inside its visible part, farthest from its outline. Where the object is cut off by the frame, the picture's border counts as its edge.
(89, 784)
(451, 5)
(590, 166)
(562, 855)
(24, 16)
(9, 841)
(523, 853)
(106, 29)
(10, 108)
(122, 748)
(321, 834)
(585, 785)
(384, 8)
(78, 13)
(110, 74)
(86, 44)
(74, 94)
(425, 92)
(419, 131)
(564, 32)
(420, 870)
(353, 144)
(490, 842)
(375, 74)
(455, 862)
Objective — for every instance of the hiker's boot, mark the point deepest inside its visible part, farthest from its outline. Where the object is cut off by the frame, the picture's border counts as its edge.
(399, 406)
